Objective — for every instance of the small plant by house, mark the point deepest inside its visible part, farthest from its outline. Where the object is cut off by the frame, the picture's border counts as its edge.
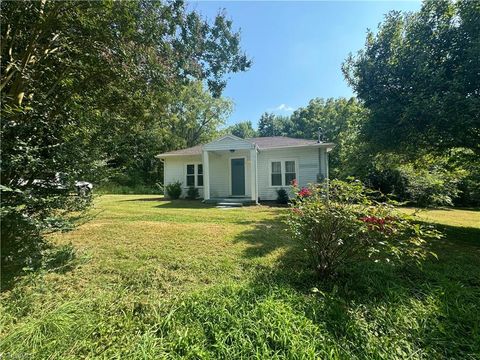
(339, 222)
(174, 190)
(193, 193)
(282, 196)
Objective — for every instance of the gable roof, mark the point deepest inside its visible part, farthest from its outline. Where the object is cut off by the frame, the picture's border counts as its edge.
(263, 143)
(280, 141)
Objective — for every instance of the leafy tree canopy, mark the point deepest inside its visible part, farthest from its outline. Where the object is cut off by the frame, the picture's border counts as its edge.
(88, 86)
(419, 76)
(242, 129)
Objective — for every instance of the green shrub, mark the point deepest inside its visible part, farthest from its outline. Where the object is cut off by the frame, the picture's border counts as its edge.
(174, 190)
(193, 193)
(113, 188)
(282, 196)
(434, 187)
(339, 222)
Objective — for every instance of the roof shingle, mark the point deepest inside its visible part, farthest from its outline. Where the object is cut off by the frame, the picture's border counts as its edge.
(262, 143)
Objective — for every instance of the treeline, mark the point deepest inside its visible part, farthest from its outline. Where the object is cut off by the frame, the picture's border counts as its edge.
(431, 179)
(414, 128)
(93, 90)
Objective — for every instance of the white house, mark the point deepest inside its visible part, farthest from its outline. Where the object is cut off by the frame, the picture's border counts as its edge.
(247, 169)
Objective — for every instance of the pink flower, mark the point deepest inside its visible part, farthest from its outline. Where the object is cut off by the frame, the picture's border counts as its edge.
(376, 223)
(294, 183)
(305, 192)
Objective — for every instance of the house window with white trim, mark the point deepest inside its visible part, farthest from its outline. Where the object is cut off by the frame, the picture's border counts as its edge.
(194, 175)
(276, 173)
(283, 172)
(290, 173)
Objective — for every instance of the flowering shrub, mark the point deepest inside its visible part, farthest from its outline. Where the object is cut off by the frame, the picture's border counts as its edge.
(304, 192)
(339, 222)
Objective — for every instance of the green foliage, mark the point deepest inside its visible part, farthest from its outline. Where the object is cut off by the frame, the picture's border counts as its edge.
(242, 129)
(113, 188)
(282, 196)
(94, 90)
(339, 222)
(270, 125)
(174, 190)
(193, 193)
(424, 188)
(418, 75)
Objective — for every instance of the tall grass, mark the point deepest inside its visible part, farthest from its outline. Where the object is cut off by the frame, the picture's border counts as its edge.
(187, 289)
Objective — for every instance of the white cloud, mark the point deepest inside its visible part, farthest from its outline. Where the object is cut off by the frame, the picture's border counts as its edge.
(282, 107)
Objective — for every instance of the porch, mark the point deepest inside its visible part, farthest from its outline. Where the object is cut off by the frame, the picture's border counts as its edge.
(230, 171)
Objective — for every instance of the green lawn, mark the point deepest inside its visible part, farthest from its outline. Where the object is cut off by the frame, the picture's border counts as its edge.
(157, 279)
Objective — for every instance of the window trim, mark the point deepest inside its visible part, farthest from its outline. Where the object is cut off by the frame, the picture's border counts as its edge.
(195, 174)
(282, 167)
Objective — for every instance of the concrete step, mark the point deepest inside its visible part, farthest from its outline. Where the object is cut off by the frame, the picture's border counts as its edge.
(230, 204)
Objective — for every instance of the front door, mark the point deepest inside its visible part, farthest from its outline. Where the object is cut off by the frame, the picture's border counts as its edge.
(238, 177)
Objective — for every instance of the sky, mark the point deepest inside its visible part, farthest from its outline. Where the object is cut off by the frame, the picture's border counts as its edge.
(297, 49)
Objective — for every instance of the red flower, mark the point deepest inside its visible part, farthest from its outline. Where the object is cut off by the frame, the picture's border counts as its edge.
(376, 223)
(305, 192)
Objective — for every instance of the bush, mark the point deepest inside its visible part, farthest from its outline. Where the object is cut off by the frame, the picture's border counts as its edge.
(112, 188)
(174, 190)
(193, 193)
(340, 222)
(435, 187)
(282, 196)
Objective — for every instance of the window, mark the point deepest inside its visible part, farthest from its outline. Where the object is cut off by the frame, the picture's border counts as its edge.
(194, 175)
(191, 175)
(276, 173)
(290, 173)
(286, 168)
(199, 175)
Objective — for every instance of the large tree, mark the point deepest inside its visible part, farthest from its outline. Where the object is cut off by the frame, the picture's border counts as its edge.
(419, 76)
(243, 129)
(80, 77)
(333, 120)
(270, 125)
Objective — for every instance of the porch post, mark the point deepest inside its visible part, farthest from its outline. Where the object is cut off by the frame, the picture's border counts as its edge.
(253, 174)
(206, 176)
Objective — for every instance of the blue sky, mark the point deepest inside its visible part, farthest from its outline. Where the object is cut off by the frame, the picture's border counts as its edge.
(297, 49)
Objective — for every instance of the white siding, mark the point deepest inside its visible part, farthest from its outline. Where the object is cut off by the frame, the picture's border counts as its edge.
(175, 170)
(220, 185)
(309, 162)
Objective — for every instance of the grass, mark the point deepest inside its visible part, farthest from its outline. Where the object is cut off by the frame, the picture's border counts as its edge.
(160, 279)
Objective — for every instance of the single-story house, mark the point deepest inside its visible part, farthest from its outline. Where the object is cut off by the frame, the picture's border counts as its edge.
(250, 169)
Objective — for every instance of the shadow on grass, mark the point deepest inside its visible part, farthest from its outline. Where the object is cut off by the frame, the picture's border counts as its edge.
(173, 204)
(446, 291)
(49, 258)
